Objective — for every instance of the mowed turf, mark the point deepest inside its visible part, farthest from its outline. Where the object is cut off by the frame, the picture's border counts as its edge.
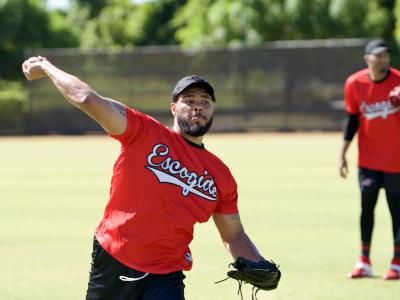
(293, 205)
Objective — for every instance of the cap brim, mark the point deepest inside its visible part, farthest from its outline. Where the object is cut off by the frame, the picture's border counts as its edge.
(380, 50)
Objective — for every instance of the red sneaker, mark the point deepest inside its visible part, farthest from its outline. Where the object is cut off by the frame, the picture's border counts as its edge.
(361, 270)
(393, 273)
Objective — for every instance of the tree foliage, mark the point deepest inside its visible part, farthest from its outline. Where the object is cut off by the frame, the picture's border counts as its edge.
(206, 22)
(27, 23)
(191, 23)
(122, 23)
(93, 7)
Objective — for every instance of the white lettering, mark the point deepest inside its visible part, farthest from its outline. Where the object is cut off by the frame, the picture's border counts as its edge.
(190, 182)
(379, 109)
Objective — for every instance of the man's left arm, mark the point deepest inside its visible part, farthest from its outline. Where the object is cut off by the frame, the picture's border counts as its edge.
(235, 238)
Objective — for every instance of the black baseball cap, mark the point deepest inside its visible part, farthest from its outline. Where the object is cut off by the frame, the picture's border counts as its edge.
(192, 81)
(376, 46)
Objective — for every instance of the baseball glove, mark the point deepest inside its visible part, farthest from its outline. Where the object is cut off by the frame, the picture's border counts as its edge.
(263, 274)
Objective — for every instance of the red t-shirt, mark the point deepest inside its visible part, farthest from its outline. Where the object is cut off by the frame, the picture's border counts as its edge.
(161, 186)
(379, 130)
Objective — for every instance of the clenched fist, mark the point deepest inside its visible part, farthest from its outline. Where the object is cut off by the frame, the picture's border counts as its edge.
(33, 67)
(394, 96)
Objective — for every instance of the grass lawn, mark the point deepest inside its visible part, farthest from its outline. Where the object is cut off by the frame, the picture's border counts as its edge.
(293, 204)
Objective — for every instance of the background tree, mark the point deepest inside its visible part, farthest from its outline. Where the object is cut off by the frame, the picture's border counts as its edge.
(122, 23)
(389, 31)
(225, 22)
(26, 23)
(190, 23)
(94, 7)
(158, 29)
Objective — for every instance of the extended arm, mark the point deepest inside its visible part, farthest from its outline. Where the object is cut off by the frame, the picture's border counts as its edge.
(350, 130)
(235, 238)
(108, 113)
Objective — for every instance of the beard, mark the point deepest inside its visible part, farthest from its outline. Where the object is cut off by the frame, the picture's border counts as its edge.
(383, 69)
(194, 129)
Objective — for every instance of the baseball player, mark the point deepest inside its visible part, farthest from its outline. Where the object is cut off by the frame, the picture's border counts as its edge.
(164, 181)
(372, 104)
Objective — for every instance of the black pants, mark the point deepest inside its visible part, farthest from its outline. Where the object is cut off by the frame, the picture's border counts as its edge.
(105, 282)
(370, 183)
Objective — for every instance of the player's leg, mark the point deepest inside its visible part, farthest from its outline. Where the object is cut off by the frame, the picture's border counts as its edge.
(105, 282)
(370, 182)
(164, 287)
(392, 188)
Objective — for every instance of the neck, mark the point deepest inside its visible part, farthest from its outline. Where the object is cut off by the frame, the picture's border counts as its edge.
(378, 75)
(194, 139)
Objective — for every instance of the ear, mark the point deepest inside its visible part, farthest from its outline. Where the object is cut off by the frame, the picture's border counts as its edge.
(173, 108)
(366, 58)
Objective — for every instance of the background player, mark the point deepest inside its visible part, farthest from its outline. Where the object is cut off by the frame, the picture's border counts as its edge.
(372, 112)
(164, 181)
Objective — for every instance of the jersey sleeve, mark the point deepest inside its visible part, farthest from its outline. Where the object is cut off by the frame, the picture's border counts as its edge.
(135, 127)
(228, 202)
(349, 100)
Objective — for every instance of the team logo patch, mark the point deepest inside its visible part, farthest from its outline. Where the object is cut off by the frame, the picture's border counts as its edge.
(188, 257)
(168, 170)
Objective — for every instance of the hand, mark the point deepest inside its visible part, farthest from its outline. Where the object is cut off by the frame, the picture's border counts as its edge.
(394, 96)
(343, 170)
(263, 274)
(33, 68)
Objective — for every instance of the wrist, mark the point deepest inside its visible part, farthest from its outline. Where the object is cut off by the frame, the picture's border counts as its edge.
(46, 67)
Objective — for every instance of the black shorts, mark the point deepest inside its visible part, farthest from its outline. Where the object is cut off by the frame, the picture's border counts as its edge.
(111, 280)
(378, 179)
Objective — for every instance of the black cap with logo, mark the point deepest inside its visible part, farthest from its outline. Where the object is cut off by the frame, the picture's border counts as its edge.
(376, 46)
(192, 81)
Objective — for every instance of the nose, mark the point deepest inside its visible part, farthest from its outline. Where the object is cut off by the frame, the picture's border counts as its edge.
(197, 107)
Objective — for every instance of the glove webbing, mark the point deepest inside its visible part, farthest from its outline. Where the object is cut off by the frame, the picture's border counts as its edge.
(254, 291)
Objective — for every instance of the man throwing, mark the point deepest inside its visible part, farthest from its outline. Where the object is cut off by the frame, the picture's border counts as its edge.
(164, 181)
(372, 103)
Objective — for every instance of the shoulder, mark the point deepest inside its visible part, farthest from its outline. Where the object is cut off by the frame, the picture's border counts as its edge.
(139, 126)
(134, 115)
(394, 72)
(361, 75)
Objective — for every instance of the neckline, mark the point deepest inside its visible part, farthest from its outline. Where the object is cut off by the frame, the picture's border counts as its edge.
(201, 146)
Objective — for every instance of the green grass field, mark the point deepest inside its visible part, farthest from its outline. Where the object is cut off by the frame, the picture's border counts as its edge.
(293, 204)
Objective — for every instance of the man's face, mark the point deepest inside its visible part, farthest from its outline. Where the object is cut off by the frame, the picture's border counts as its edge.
(378, 62)
(193, 111)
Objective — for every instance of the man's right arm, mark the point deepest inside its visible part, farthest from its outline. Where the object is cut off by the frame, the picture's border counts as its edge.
(108, 113)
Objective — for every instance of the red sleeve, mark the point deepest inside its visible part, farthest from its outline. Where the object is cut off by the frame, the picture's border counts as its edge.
(349, 100)
(228, 202)
(134, 127)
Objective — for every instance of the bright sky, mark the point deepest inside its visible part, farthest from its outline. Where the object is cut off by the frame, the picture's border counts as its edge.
(52, 4)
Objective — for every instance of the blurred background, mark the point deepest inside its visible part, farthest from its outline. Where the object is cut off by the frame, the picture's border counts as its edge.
(276, 65)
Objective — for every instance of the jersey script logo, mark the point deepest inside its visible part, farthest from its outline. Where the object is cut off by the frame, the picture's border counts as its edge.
(379, 109)
(172, 171)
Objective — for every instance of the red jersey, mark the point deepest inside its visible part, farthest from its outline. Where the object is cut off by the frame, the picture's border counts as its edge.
(379, 129)
(162, 185)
